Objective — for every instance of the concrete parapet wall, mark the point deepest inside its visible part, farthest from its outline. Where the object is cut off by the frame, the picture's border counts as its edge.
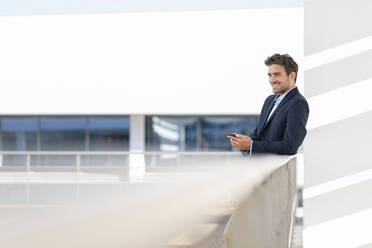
(170, 206)
(264, 217)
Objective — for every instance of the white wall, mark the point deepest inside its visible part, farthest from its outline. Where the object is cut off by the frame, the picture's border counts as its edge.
(338, 161)
(190, 62)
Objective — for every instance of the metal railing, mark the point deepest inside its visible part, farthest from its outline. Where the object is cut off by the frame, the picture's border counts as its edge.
(79, 154)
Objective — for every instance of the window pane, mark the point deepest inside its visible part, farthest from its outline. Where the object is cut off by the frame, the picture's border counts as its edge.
(253, 121)
(109, 134)
(214, 130)
(171, 133)
(19, 134)
(62, 134)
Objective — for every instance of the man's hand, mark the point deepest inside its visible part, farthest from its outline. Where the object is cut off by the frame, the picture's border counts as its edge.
(242, 142)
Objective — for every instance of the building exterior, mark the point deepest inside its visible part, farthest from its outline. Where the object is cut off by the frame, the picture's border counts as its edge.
(137, 76)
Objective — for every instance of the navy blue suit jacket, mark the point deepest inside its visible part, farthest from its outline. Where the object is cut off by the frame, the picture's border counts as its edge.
(285, 131)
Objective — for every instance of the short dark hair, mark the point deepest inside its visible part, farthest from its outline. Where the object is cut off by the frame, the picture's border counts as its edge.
(285, 60)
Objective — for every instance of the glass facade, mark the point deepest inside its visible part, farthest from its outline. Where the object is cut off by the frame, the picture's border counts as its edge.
(111, 133)
(64, 133)
(19, 134)
(171, 133)
(195, 133)
(108, 134)
(214, 129)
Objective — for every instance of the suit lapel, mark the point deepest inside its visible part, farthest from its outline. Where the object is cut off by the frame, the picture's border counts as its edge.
(266, 113)
(282, 103)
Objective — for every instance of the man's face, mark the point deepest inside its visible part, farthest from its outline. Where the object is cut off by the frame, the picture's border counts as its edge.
(279, 80)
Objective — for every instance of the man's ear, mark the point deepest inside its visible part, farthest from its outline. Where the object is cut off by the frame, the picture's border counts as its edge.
(292, 76)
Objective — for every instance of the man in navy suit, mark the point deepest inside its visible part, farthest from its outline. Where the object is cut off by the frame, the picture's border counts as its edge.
(281, 126)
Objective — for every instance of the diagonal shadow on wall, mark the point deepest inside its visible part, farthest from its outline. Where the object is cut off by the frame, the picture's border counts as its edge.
(338, 74)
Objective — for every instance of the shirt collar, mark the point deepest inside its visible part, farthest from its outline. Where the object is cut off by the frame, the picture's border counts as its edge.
(280, 98)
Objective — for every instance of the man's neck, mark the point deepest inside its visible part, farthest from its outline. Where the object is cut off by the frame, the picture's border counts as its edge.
(288, 89)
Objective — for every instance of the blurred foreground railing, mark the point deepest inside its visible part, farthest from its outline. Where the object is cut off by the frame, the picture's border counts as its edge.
(94, 167)
(151, 199)
(79, 158)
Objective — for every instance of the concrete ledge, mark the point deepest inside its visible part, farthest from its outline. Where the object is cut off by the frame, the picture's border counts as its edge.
(179, 210)
(264, 218)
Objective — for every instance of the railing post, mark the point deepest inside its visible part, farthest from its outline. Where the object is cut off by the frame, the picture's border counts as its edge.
(28, 163)
(78, 160)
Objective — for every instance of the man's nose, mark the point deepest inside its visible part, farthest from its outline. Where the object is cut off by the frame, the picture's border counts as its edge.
(271, 80)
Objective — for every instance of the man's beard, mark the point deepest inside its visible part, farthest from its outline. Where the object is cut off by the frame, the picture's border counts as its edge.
(284, 90)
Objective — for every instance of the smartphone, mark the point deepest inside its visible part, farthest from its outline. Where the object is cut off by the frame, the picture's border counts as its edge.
(231, 134)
